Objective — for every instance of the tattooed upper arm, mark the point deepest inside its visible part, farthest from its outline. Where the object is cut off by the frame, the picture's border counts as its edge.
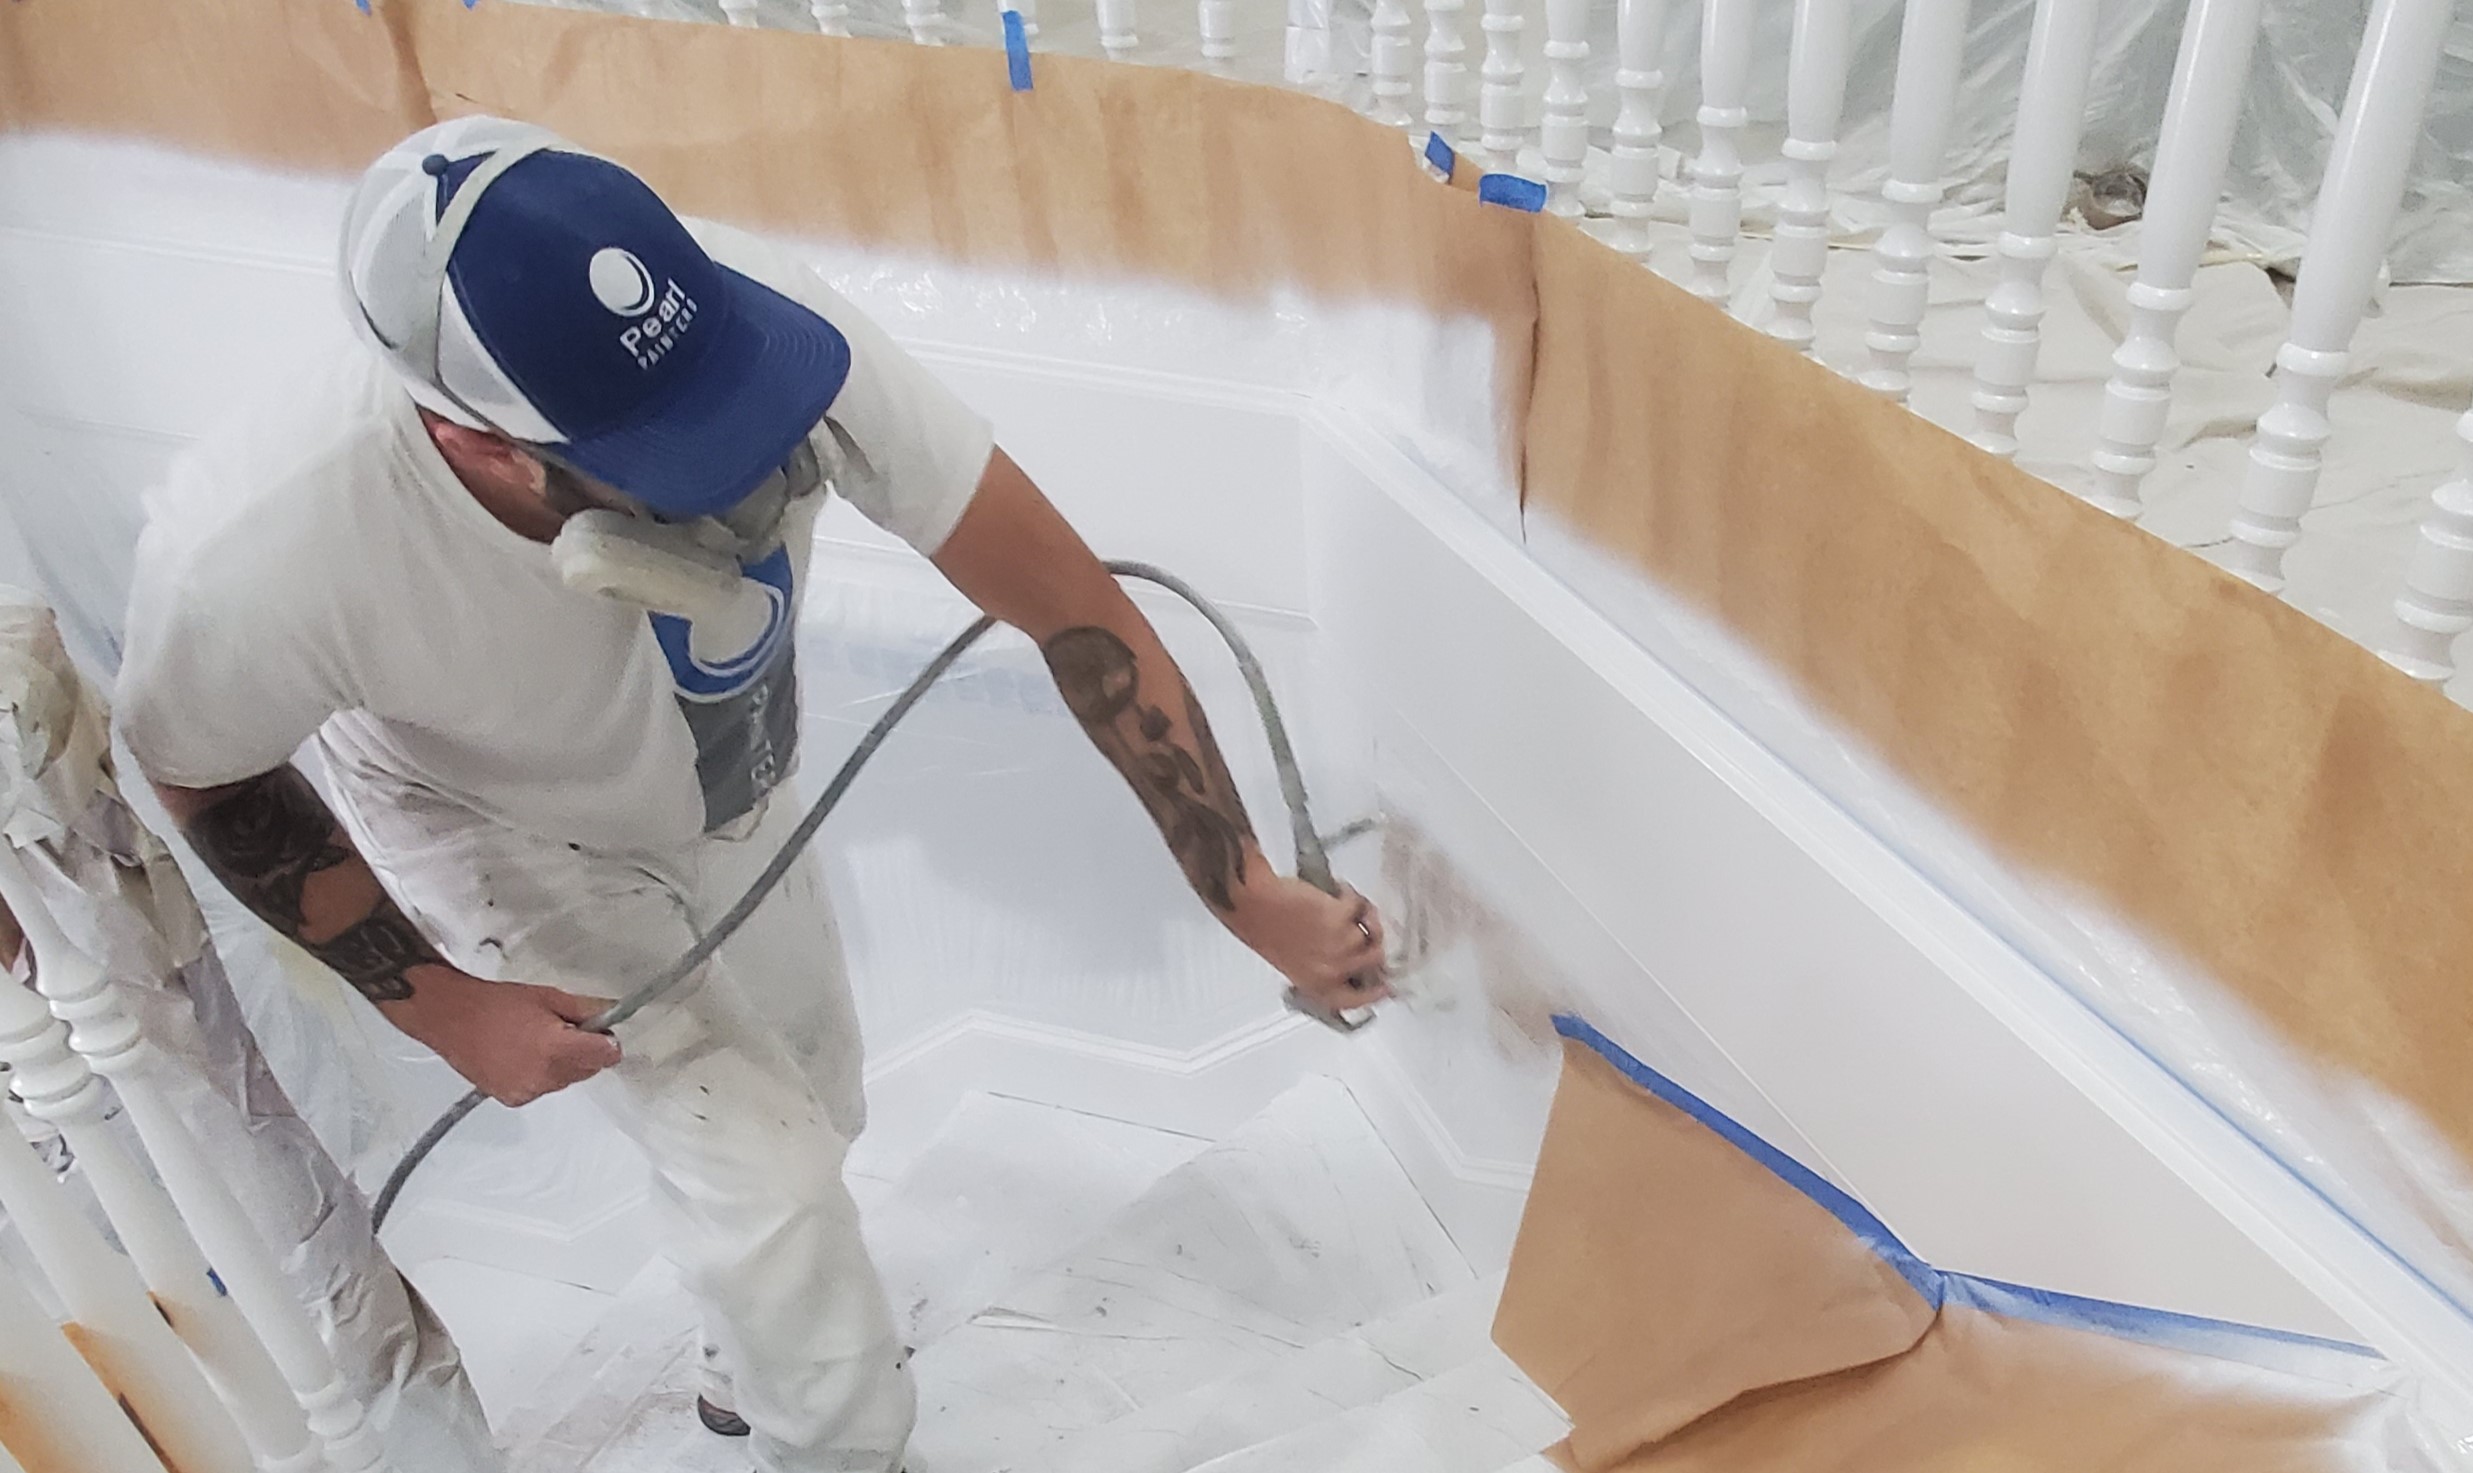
(272, 840)
(264, 837)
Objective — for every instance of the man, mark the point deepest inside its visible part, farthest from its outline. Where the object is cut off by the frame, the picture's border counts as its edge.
(527, 575)
(112, 887)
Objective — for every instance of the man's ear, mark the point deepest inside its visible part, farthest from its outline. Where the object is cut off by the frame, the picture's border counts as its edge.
(484, 454)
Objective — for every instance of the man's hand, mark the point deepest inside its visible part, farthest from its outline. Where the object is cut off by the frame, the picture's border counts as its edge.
(513, 1042)
(271, 839)
(1329, 947)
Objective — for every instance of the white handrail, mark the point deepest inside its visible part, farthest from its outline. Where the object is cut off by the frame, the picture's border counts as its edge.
(2052, 104)
(1717, 171)
(1502, 101)
(67, 1419)
(2208, 81)
(2349, 230)
(1816, 69)
(1931, 49)
(58, 1088)
(2436, 607)
(1640, 79)
(1563, 139)
(120, 1332)
(133, 1346)
(114, 1047)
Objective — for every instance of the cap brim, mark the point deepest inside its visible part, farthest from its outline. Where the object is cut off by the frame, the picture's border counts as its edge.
(759, 389)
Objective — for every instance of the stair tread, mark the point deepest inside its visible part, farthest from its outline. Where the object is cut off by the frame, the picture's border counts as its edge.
(1337, 1375)
(1477, 1418)
(582, 1405)
(1296, 1229)
(1003, 1188)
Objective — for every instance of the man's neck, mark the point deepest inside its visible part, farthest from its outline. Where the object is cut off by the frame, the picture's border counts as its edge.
(519, 512)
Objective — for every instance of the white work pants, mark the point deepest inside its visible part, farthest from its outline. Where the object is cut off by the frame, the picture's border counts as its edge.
(744, 1088)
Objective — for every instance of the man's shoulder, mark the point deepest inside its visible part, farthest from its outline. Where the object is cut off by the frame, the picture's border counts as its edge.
(279, 466)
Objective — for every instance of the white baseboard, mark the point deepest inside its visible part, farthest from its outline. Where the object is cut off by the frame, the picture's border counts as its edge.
(1478, 1201)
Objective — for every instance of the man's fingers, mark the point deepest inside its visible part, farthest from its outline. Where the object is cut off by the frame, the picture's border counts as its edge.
(1364, 940)
(592, 1052)
(574, 1007)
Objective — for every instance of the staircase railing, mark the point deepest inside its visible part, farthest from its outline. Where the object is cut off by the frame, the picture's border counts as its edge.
(161, 1361)
(1512, 117)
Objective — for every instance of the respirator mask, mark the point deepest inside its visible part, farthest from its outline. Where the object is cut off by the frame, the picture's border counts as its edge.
(702, 570)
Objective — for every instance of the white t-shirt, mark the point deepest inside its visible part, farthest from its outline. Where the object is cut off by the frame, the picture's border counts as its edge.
(319, 570)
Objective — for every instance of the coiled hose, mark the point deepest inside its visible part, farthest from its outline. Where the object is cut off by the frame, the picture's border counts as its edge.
(1313, 859)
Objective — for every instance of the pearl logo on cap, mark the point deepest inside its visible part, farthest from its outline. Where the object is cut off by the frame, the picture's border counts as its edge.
(620, 281)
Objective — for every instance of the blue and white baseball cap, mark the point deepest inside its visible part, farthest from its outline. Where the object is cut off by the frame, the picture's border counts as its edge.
(522, 285)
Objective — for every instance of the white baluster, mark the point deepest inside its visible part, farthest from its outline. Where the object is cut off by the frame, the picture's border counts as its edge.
(131, 1346)
(2052, 103)
(1217, 19)
(1564, 138)
(739, 12)
(59, 1090)
(1501, 101)
(1640, 78)
(1815, 100)
(2349, 229)
(1930, 50)
(2205, 104)
(1116, 33)
(1446, 69)
(60, 1416)
(1393, 64)
(832, 16)
(111, 1043)
(1717, 173)
(926, 19)
(2436, 607)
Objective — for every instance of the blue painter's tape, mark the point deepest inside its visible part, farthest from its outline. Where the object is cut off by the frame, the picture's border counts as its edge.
(1858, 1218)
(216, 1279)
(1439, 153)
(361, 5)
(1512, 192)
(1017, 51)
(2284, 1350)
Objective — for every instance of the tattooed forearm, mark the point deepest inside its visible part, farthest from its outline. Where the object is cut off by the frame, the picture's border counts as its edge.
(1179, 776)
(273, 843)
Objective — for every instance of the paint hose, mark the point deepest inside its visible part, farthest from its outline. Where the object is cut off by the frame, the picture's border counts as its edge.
(1313, 858)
